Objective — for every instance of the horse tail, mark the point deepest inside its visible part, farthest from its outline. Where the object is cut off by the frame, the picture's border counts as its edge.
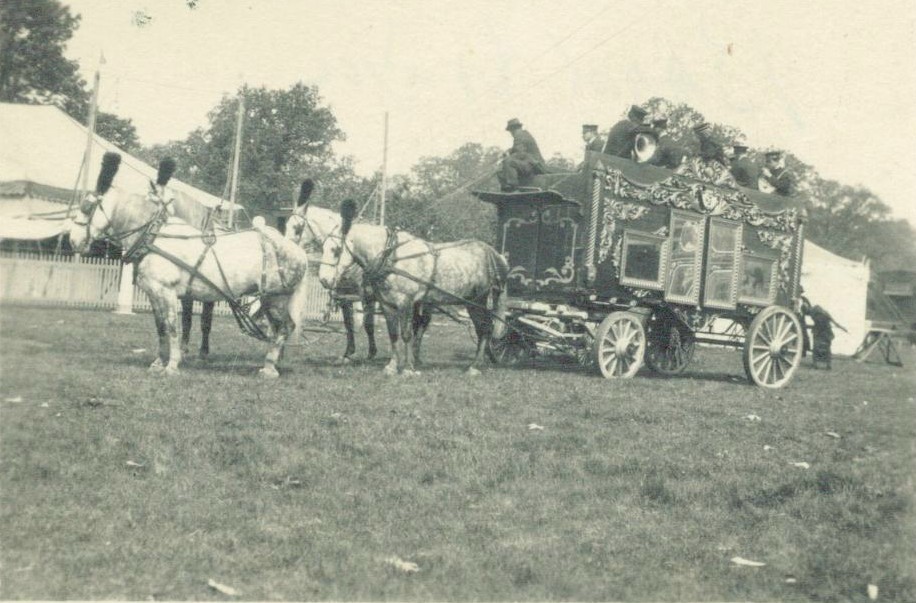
(499, 293)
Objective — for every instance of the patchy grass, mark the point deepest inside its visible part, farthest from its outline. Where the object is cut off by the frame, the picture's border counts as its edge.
(115, 484)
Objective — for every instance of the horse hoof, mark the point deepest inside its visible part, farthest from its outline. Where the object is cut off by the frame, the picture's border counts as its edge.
(410, 373)
(156, 366)
(390, 371)
(171, 371)
(343, 360)
(371, 355)
(203, 356)
(473, 372)
(268, 372)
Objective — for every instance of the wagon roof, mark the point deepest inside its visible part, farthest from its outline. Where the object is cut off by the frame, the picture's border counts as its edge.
(574, 187)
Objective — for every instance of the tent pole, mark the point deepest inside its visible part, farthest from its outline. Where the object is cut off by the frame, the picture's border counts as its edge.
(233, 188)
(90, 133)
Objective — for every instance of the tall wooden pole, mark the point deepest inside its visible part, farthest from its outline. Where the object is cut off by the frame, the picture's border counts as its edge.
(234, 183)
(384, 187)
(90, 129)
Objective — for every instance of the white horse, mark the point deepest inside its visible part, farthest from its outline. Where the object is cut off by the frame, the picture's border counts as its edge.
(309, 227)
(175, 260)
(407, 273)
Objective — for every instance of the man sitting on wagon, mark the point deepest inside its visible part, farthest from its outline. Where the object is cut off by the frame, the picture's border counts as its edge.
(593, 142)
(522, 161)
(668, 153)
(774, 177)
(622, 136)
(711, 165)
(743, 168)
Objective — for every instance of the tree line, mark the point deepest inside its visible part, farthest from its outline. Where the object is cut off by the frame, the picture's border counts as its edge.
(289, 134)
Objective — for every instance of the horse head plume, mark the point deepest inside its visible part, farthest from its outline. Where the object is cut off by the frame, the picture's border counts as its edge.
(305, 191)
(166, 169)
(347, 215)
(110, 164)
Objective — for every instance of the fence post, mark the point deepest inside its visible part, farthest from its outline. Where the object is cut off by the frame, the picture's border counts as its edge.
(126, 289)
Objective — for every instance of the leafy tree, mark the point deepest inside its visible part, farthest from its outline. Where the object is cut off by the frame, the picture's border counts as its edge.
(33, 69)
(434, 202)
(118, 130)
(286, 136)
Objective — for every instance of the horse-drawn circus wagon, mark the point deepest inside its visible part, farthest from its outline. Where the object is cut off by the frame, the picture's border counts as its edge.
(624, 263)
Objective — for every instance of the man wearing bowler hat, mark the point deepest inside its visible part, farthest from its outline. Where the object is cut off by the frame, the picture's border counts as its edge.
(593, 142)
(622, 136)
(743, 168)
(522, 161)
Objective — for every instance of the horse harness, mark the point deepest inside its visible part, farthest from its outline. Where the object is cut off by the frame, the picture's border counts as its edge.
(146, 244)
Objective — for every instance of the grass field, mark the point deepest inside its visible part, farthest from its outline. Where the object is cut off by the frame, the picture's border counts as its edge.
(330, 482)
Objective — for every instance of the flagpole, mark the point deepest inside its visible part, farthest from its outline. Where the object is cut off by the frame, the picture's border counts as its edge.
(235, 160)
(90, 130)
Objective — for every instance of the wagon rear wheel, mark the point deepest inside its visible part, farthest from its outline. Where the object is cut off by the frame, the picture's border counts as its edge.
(773, 347)
(670, 347)
(620, 345)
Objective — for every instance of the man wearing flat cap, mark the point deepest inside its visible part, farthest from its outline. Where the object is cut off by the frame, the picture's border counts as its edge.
(593, 142)
(743, 168)
(667, 154)
(522, 161)
(774, 177)
(622, 137)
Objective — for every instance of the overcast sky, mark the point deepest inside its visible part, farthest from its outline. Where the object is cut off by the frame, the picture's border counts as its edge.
(831, 81)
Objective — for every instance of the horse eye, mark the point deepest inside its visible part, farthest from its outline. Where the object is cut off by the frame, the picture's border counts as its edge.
(337, 251)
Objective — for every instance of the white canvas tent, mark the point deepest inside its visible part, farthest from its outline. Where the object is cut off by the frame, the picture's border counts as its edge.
(840, 286)
(41, 151)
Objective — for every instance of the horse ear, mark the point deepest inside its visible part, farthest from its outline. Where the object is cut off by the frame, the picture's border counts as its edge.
(166, 169)
(110, 164)
(347, 215)
(305, 191)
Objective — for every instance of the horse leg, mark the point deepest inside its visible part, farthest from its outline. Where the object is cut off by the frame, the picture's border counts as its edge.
(405, 322)
(391, 321)
(206, 323)
(278, 326)
(346, 308)
(421, 319)
(369, 324)
(162, 353)
(187, 313)
(170, 304)
(483, 326)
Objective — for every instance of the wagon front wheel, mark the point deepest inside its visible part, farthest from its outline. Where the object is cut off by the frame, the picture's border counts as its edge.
(620, 345)
(773, 347)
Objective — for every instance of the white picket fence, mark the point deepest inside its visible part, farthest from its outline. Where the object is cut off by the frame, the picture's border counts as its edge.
(75, 281)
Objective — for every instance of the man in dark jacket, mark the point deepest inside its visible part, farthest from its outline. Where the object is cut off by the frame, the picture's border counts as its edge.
(522, 161)
(667, 153)
(593, 142)
(743, 168)
(774, 177)
(622, 136)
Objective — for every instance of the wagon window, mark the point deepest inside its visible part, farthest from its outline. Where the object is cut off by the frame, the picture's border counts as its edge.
(722, 263)
(758, 280)
(643, 259)
(687, 233)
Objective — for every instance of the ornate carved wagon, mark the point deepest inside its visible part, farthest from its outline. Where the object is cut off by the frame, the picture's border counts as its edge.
(622, 264)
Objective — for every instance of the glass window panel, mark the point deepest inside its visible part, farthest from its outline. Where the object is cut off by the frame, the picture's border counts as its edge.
(686, 246)
(721, 263)
(757, 280)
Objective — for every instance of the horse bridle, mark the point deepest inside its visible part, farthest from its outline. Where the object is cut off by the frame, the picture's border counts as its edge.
(95, 202)
(302, 222)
